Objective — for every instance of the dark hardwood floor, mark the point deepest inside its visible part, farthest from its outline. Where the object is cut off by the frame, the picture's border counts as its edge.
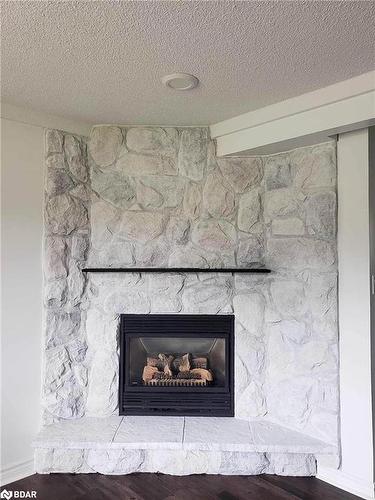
(162, 487)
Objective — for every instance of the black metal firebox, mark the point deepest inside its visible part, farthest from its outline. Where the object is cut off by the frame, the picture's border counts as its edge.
(176, 364)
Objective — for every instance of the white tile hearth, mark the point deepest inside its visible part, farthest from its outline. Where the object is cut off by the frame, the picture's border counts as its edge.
(88, 432)
(217, 433)
(150, 432)
(178, 433)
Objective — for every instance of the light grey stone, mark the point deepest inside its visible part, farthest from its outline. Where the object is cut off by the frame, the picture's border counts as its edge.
(277, 172)
(314, 167)
(75, 158)
(249, 210)
(300, 253)
(252, 402)
(321, 214)
(117, 253)
(293, 330)
(192, 155)
(241, 173)
(58, 181)
(81, 191)
(250, 252)
(65, 214)
(55, 257)
(170, 189)
(115, 461)
(62, 326)
(298, 392)
(148, 197)
(139, 164)
(214, 235)
(284, 464)
(113, 186)
(250, 350)
(208, 297)
(249, 311)
(104, 145)
(289, 297)
(165, 292)
(102, 397)
(127, 301)
(104, 219)
(280, 202)
(141, 226)
(192, 200)
(76, 284)
(288, 227)
(190, 256)
(218, 196)
(153, 254)
(183, 462)
(178, 230)
(55, 160)
(77, 350)
(54, 142)
(151, 140)
(79, 246)
(241, 463)
(55, 292)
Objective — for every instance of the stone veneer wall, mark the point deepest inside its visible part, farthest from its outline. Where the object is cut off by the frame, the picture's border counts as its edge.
(160, 197)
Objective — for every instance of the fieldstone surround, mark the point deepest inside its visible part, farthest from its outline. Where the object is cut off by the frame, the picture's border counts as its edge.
(159, 197)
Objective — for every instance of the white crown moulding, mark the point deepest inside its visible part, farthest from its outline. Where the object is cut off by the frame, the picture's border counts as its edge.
(301, 121)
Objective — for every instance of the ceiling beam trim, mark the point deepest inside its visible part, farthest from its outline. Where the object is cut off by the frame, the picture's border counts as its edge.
(301, 121)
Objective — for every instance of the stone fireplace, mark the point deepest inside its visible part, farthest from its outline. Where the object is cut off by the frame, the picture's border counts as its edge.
(158, 197)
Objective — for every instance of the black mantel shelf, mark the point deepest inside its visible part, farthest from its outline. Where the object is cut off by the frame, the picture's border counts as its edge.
(174, 270)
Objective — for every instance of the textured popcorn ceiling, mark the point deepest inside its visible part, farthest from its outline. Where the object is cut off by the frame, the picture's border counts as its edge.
(102, 62)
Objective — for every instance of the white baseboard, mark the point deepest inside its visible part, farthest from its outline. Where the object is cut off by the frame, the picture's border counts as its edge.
(347, 482)
(17, 471)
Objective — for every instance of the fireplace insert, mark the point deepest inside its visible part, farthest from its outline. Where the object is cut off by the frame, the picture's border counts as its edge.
(176, 364)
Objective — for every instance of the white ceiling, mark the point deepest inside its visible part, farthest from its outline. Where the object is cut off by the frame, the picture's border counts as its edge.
(101, 62)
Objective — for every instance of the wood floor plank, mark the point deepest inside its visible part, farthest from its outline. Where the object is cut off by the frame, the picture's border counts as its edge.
(143, 486)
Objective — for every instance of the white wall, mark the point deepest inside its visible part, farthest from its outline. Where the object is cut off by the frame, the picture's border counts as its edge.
(356, 471)
(21, 262)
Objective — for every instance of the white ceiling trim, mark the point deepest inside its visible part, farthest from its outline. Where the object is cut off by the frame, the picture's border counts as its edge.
(301, 121)
(44, 120)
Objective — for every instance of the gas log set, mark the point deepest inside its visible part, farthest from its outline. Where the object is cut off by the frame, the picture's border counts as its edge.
(177, 370)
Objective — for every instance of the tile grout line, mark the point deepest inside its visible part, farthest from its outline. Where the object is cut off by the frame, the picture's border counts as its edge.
(183, 433)
(116, 431)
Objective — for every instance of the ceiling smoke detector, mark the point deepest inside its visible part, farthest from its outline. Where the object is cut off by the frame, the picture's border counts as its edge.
(180, 81)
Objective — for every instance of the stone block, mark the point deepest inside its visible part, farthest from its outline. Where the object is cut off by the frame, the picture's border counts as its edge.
(292, 226)
(152, 140)
(54, 141)
(241, 173)
(300, 253)
(64, 214)
(249, 311)
(321, 214)
(215, 235)
(58, 181)
(277, 172)
(248, 211)
(104, 145)
(192, 200)
(218, 196)
(75, 154)
(141, 226)
(113, 186)
(192, 155)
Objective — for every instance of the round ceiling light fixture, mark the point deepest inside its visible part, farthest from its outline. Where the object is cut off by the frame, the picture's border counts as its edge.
(180, 81)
